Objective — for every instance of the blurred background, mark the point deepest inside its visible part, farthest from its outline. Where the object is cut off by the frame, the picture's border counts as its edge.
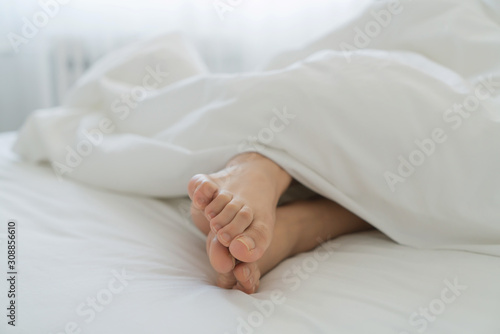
(45, 45)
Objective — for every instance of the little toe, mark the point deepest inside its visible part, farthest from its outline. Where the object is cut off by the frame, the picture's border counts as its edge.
(220, 258)
(251, 244)
(226, 281)
(204, 192)
(238, 225)
(218, 204)
(247, 276)
(199, 220)
(194, 183)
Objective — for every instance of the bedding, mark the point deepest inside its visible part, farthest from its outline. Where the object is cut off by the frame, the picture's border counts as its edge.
(97, 186)
(97, 261)
(395, 116)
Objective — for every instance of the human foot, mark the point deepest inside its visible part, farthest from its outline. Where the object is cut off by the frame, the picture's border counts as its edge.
(238, 204)
(300, 227)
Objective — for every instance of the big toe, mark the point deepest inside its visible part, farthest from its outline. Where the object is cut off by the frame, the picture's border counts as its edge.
(202, 190)
(220, 258)
(251, 244)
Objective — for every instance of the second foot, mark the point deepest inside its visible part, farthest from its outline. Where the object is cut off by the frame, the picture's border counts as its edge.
(300, 227)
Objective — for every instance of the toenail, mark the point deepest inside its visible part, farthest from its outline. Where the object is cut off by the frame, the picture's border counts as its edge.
(248, 242)
(225, 237)
(216, 228)
(210, 215)
(246, 272)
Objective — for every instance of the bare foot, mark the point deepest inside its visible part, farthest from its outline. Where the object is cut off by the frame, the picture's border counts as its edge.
(300, 227)
(238, 205)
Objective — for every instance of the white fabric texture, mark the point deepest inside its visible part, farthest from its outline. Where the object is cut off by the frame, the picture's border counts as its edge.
(404, 132)
(72, 239)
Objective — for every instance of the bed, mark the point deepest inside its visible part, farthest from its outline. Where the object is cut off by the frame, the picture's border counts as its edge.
(95, 261)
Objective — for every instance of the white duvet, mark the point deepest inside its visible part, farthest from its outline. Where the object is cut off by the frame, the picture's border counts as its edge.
(395, 116)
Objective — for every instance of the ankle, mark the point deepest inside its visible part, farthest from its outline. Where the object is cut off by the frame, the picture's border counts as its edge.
(243, 158)
(288, 226)
(281, 178)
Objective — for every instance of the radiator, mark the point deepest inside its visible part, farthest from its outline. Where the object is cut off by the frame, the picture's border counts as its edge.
(68, 60)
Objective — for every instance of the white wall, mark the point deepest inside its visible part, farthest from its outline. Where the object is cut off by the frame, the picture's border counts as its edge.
(251, 32)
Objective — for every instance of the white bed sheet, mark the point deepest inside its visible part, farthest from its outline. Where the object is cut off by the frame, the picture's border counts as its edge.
(73, 239)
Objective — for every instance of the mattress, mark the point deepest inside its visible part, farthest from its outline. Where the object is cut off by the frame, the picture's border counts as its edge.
(94, 261)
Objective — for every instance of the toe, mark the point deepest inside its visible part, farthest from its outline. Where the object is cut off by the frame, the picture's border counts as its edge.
(218, 204)
(251, 244)
(201, 190)
(238, 225)
(247, 276)
(226, 281)
(226, 215)
(220, 258)
(199, 220)
(193, 184)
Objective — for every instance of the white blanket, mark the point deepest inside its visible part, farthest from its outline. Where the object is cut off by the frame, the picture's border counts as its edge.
(74, 240)
(395, 116)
